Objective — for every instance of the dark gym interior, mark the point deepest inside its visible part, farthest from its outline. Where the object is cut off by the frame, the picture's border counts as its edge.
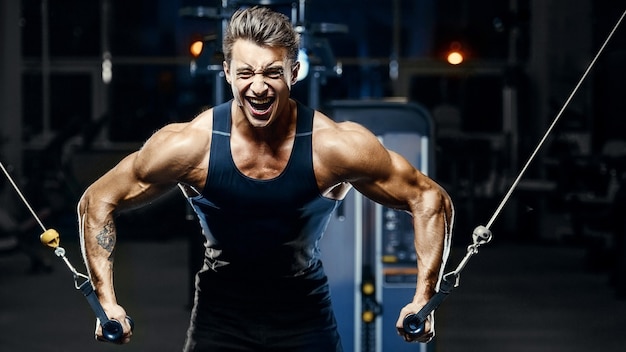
(84, 83)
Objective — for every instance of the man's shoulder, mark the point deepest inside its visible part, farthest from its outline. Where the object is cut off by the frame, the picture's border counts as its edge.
(174, 150)
(327, 130)
(344, 146)
(182, 138)
(199, 126)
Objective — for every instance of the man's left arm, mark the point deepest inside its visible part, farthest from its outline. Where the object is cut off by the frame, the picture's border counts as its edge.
(404, 187)
(353, 154)
(433, 216)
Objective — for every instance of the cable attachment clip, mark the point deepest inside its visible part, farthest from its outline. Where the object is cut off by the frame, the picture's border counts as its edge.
(481, 235)
(79, 279)
(111, 329)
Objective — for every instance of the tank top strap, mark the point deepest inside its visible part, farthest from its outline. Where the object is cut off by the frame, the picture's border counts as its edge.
(221, 118)
(304, 124)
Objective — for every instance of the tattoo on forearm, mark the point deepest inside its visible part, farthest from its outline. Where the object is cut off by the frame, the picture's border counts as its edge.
(106, 238)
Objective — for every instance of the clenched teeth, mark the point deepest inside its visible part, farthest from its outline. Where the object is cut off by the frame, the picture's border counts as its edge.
(260, 101)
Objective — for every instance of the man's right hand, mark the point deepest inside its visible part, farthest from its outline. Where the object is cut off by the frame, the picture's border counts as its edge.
(115, 312)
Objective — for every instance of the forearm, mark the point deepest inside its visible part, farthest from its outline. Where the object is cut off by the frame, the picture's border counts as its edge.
(433, 226)
(98, 239)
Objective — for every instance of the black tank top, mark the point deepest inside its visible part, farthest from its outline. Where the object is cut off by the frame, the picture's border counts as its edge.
(272, 226)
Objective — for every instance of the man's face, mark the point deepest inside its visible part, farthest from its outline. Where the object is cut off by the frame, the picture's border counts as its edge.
(261, 79)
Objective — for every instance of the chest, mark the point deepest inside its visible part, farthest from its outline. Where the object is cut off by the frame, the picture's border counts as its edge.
(261, 161)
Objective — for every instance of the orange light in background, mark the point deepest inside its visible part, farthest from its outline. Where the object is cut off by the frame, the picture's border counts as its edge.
(196, 48)
(455, 58)
(455, 54)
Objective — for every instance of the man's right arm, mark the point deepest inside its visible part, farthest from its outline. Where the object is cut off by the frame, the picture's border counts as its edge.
(140, 177)
(96, 211)
(116, 189)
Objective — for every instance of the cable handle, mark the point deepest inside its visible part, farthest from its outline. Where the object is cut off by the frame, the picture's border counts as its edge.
(112, 330)
(415, 324)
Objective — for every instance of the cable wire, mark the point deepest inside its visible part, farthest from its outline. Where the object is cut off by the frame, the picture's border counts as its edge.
(22, 196)
(554, 122)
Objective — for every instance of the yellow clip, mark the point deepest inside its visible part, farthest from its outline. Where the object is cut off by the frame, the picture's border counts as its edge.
(50, 238)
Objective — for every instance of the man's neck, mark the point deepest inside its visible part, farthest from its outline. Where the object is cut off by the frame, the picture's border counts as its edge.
(283, 127)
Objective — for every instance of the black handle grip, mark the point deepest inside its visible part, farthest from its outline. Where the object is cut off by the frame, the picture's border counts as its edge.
(413, 325)
(112, 329)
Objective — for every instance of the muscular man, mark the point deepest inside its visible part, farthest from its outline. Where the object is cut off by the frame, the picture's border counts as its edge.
(264, 173)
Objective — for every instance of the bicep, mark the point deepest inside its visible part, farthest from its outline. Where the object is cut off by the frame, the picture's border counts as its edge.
(165, 159)
(392, 181)
(125, 186)
(354, 154)
(405, 187)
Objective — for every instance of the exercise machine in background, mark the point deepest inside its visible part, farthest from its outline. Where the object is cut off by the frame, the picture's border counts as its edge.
(317, 61)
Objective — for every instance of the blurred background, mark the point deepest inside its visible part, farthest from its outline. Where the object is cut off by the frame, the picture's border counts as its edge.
(84, 83)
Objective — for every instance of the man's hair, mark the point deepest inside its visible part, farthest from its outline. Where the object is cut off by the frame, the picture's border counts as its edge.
(264, 27)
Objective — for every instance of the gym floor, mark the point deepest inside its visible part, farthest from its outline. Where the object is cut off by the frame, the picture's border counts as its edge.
(512, 297)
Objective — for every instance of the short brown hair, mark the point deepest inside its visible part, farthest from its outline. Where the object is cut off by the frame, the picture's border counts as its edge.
(264, 27)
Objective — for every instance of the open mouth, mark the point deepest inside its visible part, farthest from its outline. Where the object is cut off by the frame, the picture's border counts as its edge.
(260, 106)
